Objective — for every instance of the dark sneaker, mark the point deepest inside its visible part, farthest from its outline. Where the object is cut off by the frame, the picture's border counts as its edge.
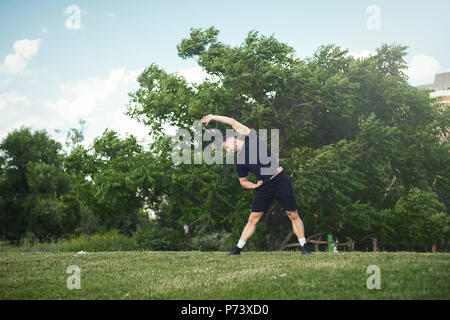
(235, 251)
(305, 250)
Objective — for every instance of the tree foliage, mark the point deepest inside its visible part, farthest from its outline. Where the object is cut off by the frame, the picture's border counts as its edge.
(35, 189)
(114, 177)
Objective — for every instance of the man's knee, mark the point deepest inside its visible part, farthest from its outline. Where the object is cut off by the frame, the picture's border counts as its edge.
(254, 217)
(293, 215)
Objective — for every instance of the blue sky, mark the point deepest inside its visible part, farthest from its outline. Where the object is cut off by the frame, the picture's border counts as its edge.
(54, 71)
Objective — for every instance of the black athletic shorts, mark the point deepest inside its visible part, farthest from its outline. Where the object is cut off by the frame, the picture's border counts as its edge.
(280, 189)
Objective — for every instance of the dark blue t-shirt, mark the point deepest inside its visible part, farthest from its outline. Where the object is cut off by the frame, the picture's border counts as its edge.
(256, 157)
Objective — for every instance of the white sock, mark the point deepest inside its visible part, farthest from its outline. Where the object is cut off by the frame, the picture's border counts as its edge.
(302, 241)
(241, 244)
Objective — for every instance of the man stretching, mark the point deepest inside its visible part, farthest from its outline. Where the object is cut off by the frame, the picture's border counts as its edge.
(272, 183)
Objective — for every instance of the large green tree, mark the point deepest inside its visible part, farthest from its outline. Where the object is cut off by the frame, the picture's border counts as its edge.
(113, 178)
(35, 190)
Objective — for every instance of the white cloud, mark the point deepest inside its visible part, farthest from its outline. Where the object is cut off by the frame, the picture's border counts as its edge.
(195, 75)
(16, 62)
(422, 68)
(13, 110)
(44, 30)
(11, 99)
(100, 101)
(361, 54)
(85, 96)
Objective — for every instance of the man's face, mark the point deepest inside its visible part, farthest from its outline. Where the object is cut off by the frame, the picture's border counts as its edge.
(230, 145)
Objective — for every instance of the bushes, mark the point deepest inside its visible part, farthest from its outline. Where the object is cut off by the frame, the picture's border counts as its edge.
(153, 237)
(417, 220)
(110, 241)
(126, 223)
(210, 242)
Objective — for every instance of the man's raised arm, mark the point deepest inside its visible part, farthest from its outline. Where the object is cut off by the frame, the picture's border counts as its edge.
(237, 126)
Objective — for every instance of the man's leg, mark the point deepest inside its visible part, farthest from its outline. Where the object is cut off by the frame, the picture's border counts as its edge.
(299, 230)
(297, 223)
(250, 227)
(286, 197)
(248, 231)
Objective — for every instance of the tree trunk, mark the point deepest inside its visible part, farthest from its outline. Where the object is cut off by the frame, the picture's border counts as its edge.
(316, 245)
(434, 247)
(286, 240)
(273, 234)
(274, 226)
(374, 244)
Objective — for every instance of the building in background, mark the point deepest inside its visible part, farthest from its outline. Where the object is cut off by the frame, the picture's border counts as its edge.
(440, 89)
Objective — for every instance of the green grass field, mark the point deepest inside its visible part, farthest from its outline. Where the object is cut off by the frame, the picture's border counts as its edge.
(212, 275)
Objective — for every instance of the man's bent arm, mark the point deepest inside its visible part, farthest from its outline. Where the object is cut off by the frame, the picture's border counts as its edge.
(225, 120)
(237, 126)
(249, 185)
